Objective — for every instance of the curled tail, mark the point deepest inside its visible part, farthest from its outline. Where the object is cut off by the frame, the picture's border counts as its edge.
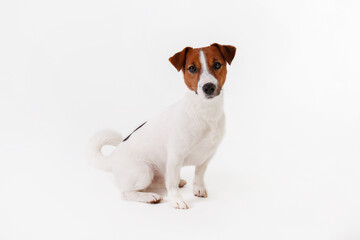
(106, 137)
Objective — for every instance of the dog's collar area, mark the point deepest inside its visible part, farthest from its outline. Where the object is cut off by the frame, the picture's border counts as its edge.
(134, 131)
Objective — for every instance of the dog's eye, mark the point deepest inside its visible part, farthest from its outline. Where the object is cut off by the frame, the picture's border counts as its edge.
(192, 69)
(217, 65)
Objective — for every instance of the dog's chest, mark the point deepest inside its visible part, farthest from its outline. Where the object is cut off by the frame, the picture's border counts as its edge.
(207, 143)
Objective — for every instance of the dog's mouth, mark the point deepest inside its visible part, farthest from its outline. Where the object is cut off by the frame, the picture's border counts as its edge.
(210, 96)
(215, 94)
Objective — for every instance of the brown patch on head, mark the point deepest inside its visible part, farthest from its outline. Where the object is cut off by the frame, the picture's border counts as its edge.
(192, 69)
(214, 59)
(188, 60)
(227, 51)
(178, 60)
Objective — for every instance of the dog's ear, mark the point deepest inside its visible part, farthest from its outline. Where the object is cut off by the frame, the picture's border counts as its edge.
(178, 60)
(227, 51)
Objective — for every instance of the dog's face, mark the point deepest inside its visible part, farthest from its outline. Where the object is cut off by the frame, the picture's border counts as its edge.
(204, 68)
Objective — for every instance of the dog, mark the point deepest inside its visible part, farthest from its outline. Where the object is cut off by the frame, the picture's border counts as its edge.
(186, 133)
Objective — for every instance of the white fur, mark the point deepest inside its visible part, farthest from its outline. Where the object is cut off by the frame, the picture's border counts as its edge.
(205, 75)
(186, 133)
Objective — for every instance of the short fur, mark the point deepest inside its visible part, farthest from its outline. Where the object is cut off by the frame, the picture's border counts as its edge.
(186, 133)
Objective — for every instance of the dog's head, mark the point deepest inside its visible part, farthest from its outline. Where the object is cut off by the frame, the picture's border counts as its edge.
(204, 68)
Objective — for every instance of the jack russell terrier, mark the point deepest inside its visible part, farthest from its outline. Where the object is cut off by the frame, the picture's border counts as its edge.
(186, 133)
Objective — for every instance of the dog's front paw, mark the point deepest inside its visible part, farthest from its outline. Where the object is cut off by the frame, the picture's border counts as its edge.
(178, 204)
(200, 191)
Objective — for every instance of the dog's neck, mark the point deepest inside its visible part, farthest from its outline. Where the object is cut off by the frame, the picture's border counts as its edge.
(207, 109)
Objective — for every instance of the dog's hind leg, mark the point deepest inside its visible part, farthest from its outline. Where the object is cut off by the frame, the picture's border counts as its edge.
(132, 178)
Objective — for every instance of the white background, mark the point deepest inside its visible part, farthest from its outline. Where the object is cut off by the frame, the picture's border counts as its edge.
(288, 168)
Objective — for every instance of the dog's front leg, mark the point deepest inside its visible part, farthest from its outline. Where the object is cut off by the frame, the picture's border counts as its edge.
(172, 178)
(199, 189)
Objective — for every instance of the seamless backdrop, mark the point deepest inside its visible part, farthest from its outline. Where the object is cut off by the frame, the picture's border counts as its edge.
(288, 167)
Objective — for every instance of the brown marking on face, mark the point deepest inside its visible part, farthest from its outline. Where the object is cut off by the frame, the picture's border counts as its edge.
(213, 58)
(190, 57)
(192, 78)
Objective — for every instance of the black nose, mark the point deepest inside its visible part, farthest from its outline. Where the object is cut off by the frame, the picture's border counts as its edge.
(209, 88)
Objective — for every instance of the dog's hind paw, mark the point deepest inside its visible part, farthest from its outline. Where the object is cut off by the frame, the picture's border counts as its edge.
(146, 197)
(156, 198)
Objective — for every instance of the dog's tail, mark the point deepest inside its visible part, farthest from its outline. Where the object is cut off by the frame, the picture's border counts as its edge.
(106, 137)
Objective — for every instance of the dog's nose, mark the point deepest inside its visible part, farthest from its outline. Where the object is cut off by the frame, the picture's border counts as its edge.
(209, 88)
